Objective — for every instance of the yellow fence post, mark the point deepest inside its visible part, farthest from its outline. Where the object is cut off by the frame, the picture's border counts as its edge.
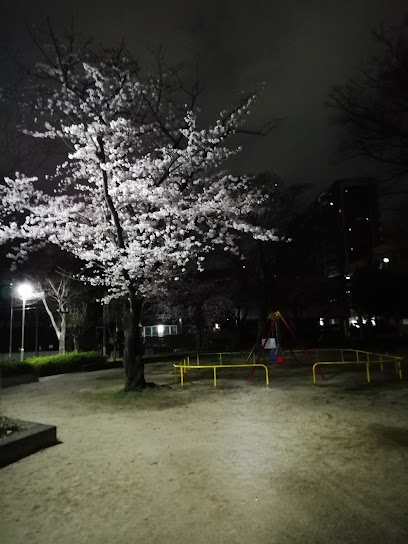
(215, 366)
(368, 367)
(314, 373)
(370, 358)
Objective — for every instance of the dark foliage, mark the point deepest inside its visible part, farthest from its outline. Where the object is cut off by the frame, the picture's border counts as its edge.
(373, 107)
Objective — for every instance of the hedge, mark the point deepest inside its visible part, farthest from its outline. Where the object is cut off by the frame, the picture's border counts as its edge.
(53, 364)
(11, 367)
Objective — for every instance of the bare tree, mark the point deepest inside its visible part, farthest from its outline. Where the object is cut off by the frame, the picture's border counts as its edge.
(57, 295)
(373, 107)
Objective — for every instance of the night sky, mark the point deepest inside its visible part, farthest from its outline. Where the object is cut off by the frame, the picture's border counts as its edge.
(298, 48)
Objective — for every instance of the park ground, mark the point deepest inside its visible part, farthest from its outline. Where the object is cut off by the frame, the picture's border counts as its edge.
(241, 463)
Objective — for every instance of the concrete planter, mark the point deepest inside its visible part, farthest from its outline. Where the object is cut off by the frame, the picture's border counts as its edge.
(23, 443)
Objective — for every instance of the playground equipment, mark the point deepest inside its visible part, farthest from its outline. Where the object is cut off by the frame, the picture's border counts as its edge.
(340, 356)
(271, 341)
(277, 355)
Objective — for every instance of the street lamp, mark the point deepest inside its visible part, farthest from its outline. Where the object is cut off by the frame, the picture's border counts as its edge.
(11, 321)
(25, 291)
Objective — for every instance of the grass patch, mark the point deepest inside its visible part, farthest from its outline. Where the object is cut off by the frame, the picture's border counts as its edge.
(150, 399)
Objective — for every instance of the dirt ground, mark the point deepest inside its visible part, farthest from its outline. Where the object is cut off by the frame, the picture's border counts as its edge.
(240, 464)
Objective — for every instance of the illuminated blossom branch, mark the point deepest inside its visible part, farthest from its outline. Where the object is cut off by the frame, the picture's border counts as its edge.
(141, 192)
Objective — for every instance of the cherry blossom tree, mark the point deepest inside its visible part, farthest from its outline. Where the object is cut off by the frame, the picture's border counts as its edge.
(140, 193)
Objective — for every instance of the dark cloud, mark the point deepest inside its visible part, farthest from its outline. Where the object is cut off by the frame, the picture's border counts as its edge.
(299, 48)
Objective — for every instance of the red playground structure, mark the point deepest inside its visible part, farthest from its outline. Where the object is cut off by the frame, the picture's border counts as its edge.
(271, 342)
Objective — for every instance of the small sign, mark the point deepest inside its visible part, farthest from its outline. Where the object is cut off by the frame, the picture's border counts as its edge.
(270, 344)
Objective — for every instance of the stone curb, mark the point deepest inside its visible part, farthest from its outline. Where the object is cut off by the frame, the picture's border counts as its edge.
(23, 443)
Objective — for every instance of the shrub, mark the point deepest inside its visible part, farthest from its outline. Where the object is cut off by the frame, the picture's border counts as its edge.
(11, 367)
(8, 426)
(60, 364)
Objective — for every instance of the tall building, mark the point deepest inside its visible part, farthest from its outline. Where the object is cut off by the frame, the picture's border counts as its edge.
(349, 227)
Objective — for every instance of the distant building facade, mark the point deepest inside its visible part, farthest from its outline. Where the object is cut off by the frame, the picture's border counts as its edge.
(349, 226)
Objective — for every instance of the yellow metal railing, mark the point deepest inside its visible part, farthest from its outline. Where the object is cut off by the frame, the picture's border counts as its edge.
(185, 365)
(354, 356)
(194, 361)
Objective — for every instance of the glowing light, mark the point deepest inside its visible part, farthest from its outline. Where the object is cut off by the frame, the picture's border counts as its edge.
(386, 260)
(160, 330)
(25, 291)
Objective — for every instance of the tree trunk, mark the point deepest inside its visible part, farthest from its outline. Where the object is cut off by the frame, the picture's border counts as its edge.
(113, 337)
(75, 339)
(133, 348)
(242, 314)
(63, 333)
(199, 325)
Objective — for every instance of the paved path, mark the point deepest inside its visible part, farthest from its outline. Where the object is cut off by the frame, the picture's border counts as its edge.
(242, 464)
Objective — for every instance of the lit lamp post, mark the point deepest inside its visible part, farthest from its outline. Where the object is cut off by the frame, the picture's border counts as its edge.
(11, 322)
(24, 291)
